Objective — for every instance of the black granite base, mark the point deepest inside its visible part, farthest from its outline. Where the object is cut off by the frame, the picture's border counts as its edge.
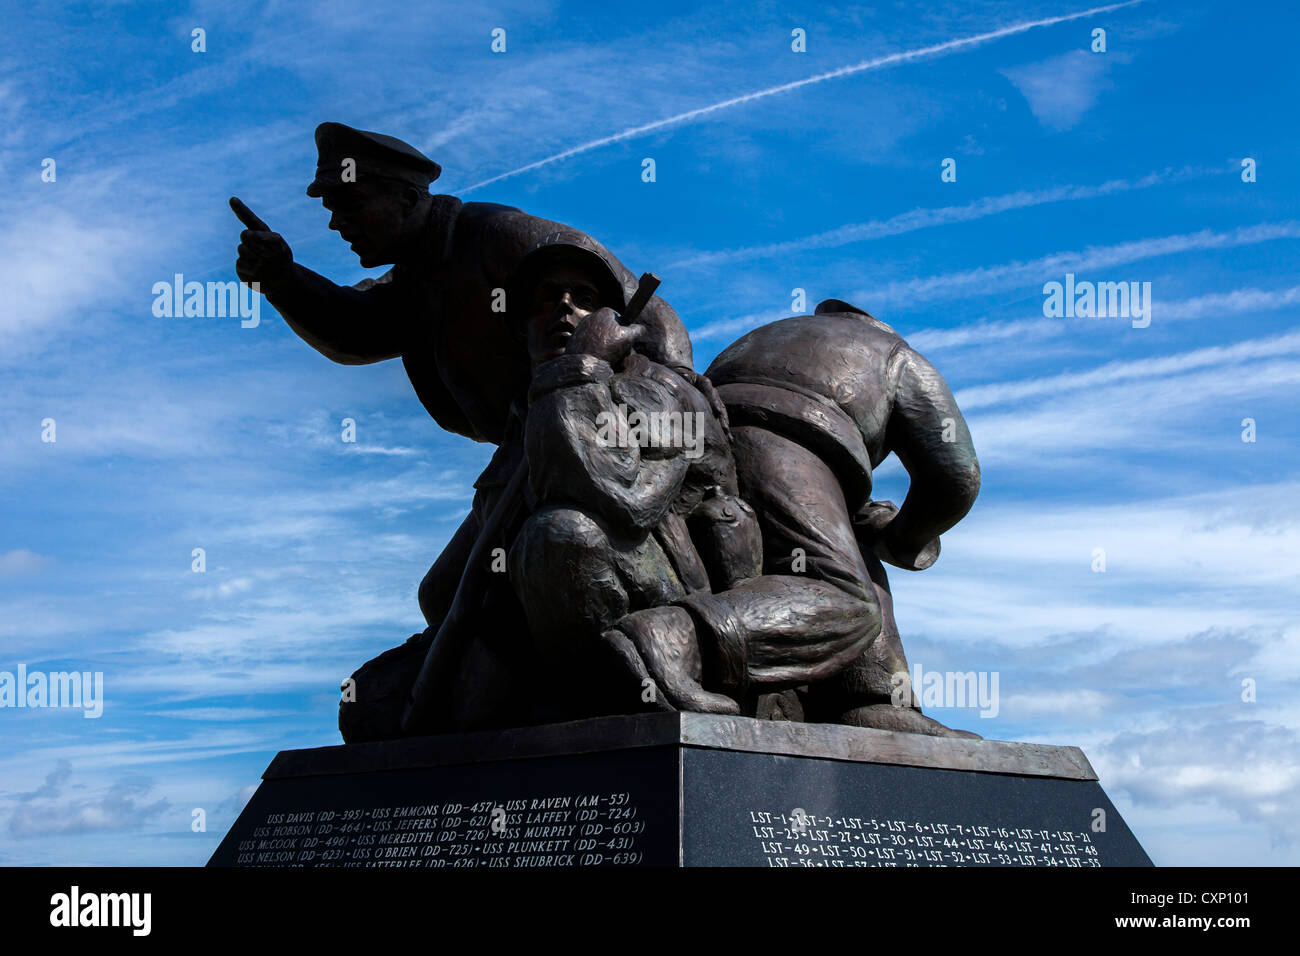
(681, 790)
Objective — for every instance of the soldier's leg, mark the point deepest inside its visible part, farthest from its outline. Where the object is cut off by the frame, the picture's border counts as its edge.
(374, 701)
(374, 697)
(814, 610)
(438, 588)
(878, 692)
(807, 529)
(596, 603)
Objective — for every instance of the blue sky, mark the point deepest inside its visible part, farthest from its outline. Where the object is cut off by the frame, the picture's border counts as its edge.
(174, 434)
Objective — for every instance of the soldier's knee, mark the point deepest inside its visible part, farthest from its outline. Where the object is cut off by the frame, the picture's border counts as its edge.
(862, 596)
(859, 612)
(867, 617)
(563, 571)
(557, 534)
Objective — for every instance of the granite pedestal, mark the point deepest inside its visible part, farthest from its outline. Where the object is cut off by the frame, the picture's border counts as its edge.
(681, 790)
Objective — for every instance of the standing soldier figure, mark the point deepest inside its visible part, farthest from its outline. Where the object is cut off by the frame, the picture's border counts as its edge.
(441, 307)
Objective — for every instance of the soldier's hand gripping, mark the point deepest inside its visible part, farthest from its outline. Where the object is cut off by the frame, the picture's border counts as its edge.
(603, 335)
(877, 532)
(263, 255)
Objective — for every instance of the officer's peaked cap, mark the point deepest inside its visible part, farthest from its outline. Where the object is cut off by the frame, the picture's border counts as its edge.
(374, 155)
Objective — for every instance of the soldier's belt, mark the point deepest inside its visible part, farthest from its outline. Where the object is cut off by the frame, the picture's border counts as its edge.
(813, 421)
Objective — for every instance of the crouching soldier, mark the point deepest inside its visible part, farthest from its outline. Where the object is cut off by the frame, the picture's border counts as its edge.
(639, 567)
(815, 403)
(600, 530)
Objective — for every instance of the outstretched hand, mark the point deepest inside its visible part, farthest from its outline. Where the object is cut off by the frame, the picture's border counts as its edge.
(263, 255)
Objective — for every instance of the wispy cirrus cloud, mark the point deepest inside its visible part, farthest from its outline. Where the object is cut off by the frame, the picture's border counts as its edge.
(1244, 301)
(931, 218)
(876, 63)
(1111, 373)
(1190, 414)
(1054, 266)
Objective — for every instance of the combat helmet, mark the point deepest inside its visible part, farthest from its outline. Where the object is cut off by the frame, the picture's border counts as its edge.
(565, 246)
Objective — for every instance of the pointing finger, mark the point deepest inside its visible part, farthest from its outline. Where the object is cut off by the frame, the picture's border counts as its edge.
(247, 216)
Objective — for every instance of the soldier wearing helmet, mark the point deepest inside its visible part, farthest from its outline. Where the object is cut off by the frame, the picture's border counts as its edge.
(439, 308)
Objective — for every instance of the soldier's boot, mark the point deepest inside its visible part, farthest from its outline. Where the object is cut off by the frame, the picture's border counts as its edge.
(875, 690)
(908, 720)
(374, 698)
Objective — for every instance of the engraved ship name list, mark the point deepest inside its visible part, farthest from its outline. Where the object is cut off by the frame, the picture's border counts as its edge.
(598, 829)
(797, 838)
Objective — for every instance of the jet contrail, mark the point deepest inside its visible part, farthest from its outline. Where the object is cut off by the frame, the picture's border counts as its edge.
(865, 65)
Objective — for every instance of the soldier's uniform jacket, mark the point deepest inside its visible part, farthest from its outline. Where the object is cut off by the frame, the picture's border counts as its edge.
(580, 407)
(848, 387)
(643, 495)
(436, 312)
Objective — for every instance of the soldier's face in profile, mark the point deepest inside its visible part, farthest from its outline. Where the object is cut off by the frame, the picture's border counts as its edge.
(372, 218)
(563, 298)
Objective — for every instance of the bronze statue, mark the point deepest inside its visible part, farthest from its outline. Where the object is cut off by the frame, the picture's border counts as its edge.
(438, 308)
(816, 403)
(644, 537)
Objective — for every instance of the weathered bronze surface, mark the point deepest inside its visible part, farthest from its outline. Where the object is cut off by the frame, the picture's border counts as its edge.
(645, 538)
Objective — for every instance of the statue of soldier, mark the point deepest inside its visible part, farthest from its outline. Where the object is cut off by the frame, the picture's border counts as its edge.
(798, 625)
(630, 469)
(440, 308)
(492, 661)
(636, 568)
(639, 559)
(618, 549)
(798, 640)
(816, 402)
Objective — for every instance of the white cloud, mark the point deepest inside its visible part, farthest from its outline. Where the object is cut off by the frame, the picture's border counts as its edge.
(1213, 305)
(1146, 420)
(1249, 768)
(55, 267)
(1035, 272)
(22, 561)
(1061, 89)
(125, 805)
(222, 714)
(1219, 357)
(1082, 702)
(933, 50)
(930, 218)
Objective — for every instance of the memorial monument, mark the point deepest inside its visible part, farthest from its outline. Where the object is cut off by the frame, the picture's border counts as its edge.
(664, 634)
